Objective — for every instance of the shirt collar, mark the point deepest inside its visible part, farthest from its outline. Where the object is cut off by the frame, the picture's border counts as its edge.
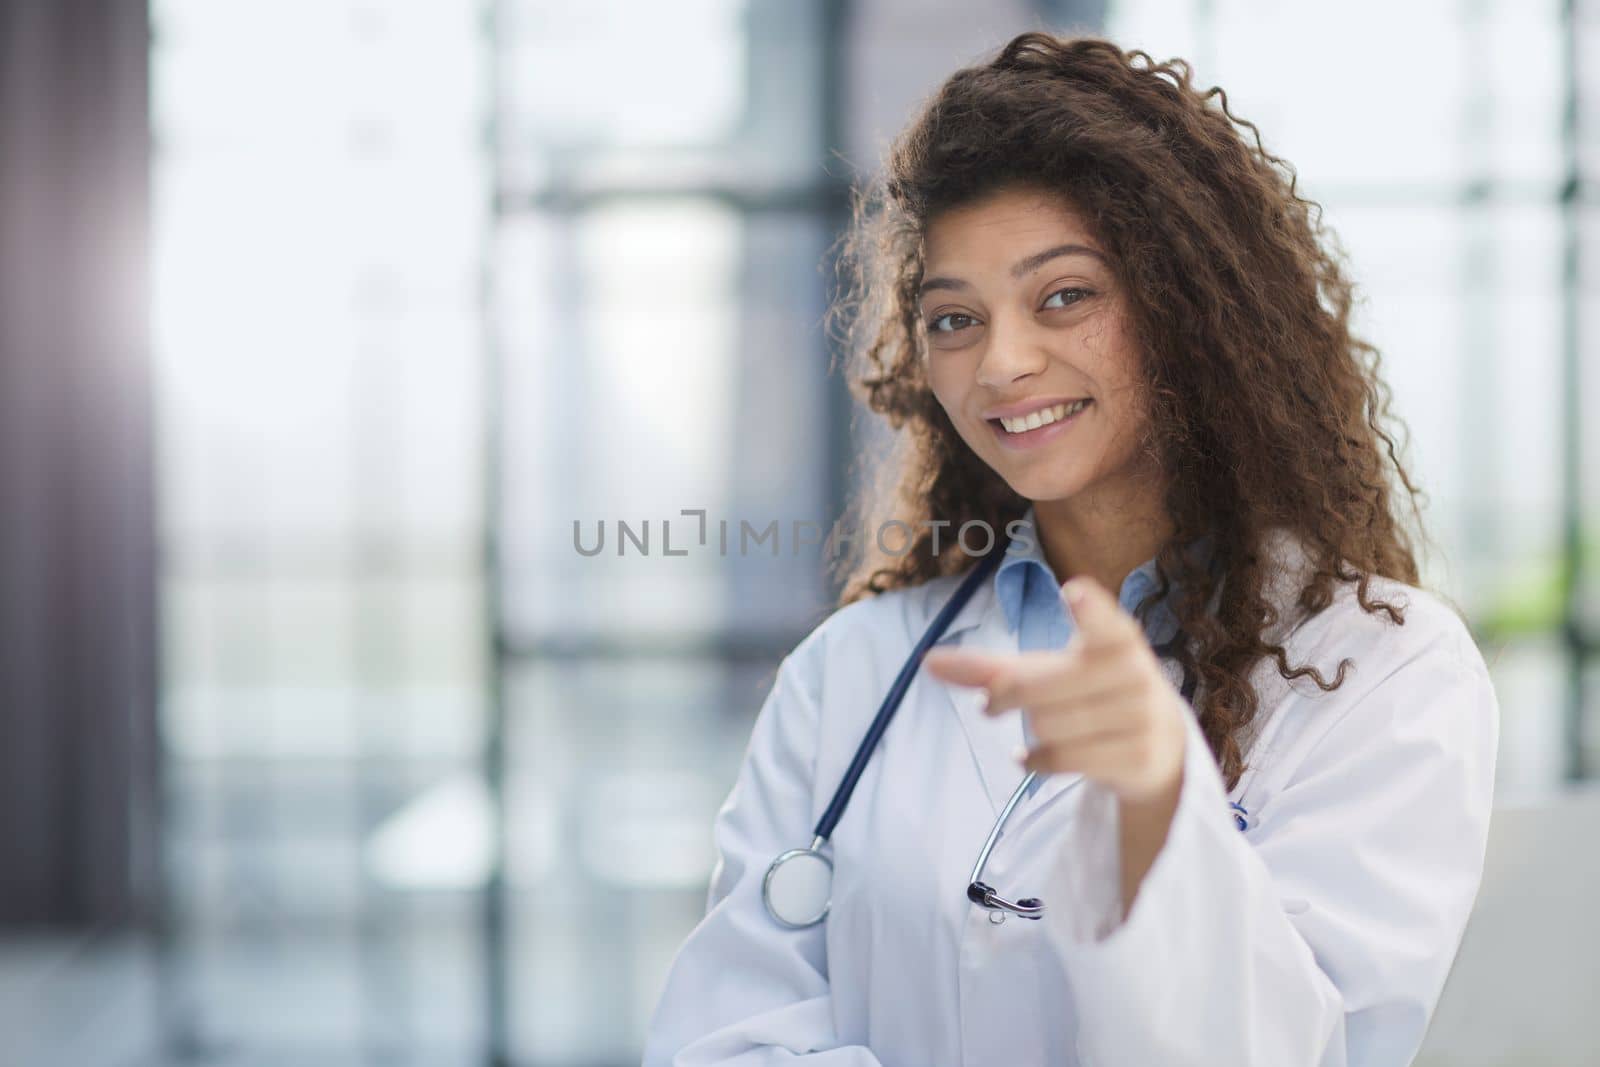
(1026, 553)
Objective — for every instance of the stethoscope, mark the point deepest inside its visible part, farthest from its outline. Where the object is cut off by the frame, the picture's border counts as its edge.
(798, 887)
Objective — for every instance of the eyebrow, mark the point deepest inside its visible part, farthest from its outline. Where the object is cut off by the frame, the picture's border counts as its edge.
(1020, 268)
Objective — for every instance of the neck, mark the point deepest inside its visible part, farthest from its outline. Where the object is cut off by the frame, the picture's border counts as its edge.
(1104, 534)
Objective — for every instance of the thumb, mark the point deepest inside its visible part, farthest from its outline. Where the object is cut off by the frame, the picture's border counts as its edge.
(1094, 612)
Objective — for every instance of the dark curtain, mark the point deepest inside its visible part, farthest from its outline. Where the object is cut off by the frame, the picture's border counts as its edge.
(77, 556)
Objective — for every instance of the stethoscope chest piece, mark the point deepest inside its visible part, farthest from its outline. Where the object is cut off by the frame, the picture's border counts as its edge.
(798, 888)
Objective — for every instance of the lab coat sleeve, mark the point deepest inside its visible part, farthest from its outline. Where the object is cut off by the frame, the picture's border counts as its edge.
(1321, 936)
(743, 990)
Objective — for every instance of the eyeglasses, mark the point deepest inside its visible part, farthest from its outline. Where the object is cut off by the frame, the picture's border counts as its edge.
(984, 895)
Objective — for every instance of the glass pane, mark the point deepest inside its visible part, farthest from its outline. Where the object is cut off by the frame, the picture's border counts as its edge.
(1586, 22)
(320, 223)
(707, 93)
(1407, 261)
(1400, 122)
(1513, 455)
(1587, 296)
(1518, 48)
(619, 768)
(1163, 29)
(898, 52)
(343, 666)
(674, 366)
(690, 92)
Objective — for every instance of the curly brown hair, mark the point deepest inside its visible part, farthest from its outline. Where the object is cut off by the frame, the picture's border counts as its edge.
(1259, 394)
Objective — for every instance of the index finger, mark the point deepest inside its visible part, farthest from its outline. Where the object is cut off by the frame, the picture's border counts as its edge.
(1098, 617)
(1009, 678)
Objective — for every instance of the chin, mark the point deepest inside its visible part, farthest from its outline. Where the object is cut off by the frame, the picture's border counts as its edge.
(1040, 489)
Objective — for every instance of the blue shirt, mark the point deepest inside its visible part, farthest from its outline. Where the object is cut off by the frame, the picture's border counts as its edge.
(1031, 597)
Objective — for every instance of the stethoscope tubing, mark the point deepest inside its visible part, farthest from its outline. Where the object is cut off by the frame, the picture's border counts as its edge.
(892, 700)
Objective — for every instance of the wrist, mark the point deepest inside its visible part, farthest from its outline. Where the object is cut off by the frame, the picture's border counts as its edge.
(1143, 824)
(1156, 805)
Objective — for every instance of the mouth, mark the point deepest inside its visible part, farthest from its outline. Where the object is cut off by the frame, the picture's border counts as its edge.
(1038, 427)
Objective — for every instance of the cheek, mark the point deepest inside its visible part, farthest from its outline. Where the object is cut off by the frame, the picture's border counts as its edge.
(1121, 374)
(948, 383)
(1108, 346)
(1128, 427)
(1115, 361)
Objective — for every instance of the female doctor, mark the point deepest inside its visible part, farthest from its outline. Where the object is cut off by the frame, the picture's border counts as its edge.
(1109, 336)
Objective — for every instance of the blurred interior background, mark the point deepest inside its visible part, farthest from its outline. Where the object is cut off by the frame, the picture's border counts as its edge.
(322, 321)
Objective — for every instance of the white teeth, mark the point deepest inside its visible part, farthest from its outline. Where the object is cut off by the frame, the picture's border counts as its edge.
(1042, 417)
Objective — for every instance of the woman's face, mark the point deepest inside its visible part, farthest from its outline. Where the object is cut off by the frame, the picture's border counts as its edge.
(1025, 324)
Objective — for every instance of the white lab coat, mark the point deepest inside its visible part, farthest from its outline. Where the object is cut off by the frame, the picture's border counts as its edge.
(1319, 935)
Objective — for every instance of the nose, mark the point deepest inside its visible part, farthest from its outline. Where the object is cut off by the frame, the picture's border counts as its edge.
(1009, 355)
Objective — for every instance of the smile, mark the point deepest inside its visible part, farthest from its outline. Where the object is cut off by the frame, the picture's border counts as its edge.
(1037, 427)
(1042, 417)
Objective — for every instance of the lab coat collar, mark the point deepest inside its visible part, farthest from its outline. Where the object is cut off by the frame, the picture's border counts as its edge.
(977, 610)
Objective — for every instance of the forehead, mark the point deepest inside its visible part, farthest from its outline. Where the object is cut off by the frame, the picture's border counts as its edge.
(1004, 225)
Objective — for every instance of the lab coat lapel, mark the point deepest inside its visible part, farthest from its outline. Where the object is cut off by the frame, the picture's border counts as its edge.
(991, 740)
(1050, 787)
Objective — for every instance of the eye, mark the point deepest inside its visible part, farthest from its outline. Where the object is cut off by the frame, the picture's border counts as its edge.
(1068, 297)
(950, 322)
